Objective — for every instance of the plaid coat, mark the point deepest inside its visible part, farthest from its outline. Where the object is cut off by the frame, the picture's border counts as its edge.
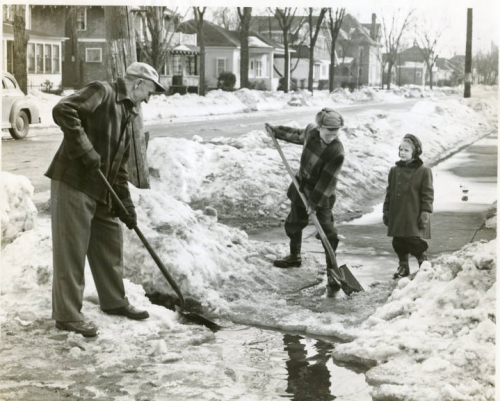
(95, 117)
(320, 165)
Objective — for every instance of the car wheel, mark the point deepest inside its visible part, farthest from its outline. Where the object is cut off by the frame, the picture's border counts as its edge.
(21, 125)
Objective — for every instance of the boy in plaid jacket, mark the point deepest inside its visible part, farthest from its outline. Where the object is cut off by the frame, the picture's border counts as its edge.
(320, 163)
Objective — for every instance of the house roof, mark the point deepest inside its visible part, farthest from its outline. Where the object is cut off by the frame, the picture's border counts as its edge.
(215, 35)
(266, 22)
(8, 30)
(359, 34)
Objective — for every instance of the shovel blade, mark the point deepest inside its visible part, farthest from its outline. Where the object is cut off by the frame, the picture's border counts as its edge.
(351, 284)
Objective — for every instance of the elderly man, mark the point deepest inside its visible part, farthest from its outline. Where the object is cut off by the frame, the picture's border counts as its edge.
(94, 121)
(320, 163)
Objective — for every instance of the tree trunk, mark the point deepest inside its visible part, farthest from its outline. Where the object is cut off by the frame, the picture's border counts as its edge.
(245, 28)
(20, 71)
(310, 78)
(120, 34)
(331, 74)
(389, 75)
(286, 87)
(201, 43)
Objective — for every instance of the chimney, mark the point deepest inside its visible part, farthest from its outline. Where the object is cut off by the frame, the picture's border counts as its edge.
(373, 28)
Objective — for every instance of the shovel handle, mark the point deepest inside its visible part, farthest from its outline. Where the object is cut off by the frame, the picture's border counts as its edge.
(335, 270)
(151, 251)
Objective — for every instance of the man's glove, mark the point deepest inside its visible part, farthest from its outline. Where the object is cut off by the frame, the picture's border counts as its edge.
(129, 218)
(91, 160)
(423, 220)
(385, 218)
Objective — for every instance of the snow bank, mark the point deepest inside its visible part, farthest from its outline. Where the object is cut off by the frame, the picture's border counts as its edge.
(434, 339)
(162, 109)
(17, 210)
(245, 178)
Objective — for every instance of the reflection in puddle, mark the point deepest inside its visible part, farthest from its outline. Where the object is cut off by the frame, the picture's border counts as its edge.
(277, 365)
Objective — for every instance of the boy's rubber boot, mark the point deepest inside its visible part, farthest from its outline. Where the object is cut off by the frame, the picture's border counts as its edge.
(292, 260)
(403, 268)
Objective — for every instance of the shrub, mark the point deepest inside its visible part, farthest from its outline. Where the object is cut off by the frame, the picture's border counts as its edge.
(323, 84)
(258, 85)
(293, 84)
(226, 81)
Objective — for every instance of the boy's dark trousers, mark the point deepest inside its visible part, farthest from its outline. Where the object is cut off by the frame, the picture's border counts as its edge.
(409, 245)
(298, 219)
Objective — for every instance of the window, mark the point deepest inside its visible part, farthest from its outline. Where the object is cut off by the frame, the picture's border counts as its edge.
(10, 56)
(221, 66)
(81, 19)
(177, 65)
(258, 68)
(191, 65)
(93, 55)
(55, 59)
(31, 58)
(323, 70)
(48, 59)
(39, 58)
(316, 72)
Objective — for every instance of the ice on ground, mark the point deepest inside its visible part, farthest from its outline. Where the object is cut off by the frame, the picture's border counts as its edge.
(434, 339)
(17, 210)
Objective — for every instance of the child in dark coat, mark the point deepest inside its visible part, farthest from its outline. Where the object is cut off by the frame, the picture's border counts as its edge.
(408, 205)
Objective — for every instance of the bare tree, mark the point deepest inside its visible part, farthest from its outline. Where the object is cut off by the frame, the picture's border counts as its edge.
(392, 32)
(313, 37)
(334, 25)
(285, 17)
(158, 28)
(199, 14)
(21, 38)
(245, 16)
(486, 66)
(427, 40)
(225, 17)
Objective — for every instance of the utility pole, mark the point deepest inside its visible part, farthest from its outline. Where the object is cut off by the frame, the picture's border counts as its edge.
(120, 34)
(468, 55)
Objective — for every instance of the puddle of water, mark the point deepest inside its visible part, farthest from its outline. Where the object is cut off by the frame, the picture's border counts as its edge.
(289, 366)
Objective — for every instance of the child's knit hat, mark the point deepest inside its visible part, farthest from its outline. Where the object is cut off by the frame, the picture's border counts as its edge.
(415, 142)
(329, 118)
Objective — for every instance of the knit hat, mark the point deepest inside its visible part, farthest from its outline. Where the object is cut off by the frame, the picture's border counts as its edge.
(415, 142)
(329, 118)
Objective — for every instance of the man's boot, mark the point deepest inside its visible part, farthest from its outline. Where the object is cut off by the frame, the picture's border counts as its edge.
(403, 268)
(292, 260)
(421, 258)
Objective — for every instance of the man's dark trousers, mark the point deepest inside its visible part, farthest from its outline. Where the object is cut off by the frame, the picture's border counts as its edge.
(83, 227)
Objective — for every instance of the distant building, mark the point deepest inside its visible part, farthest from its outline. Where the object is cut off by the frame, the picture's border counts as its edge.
(223, 49)
(44, 50)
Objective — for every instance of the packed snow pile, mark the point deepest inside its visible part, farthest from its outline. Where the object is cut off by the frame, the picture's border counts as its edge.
(18, 212)
(434, 339)
(245, 177)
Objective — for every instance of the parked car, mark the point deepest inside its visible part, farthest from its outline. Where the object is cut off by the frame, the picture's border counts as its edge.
(18, 112)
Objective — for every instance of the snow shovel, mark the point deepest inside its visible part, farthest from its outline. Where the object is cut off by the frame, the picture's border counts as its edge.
(342, 274)
(194, 317)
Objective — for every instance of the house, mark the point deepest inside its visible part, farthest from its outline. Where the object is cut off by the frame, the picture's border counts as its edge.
(359, 53)
(44, 50)
(445, 71)
(269, 27)
(180, 73)
(223, 48)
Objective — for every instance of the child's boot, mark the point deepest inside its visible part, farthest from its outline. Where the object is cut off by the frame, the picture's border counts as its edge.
(403, 268)
(292, 260)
